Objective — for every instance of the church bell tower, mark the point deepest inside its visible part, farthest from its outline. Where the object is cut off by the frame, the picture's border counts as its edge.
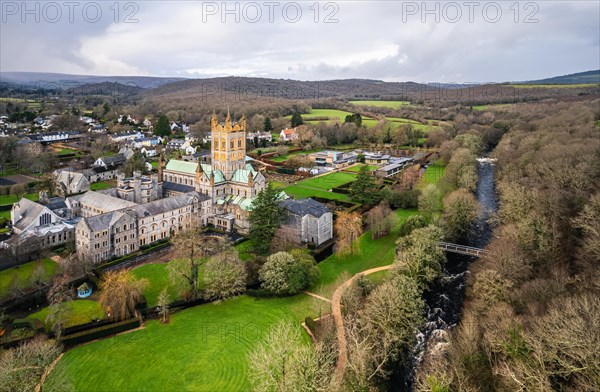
(228, 145)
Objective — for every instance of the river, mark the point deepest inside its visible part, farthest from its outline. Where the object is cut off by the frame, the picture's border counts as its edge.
(444, 300)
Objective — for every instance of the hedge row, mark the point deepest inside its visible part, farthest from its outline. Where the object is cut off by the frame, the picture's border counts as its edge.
(100, 332)
(34, 324)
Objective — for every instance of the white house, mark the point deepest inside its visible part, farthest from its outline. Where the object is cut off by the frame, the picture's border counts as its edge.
(288, 135)
(149, 152)
(125, 136)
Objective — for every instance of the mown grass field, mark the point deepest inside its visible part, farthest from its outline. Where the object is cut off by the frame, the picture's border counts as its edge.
(356, 168)
(433, 174)
(157, 276)
(100, 185)
(382, 104)
(204, 348)
(22, 274)
(78, 312)
(302, 193)
(328, 181)
(12, 199)
(330, 115)
(369, 253)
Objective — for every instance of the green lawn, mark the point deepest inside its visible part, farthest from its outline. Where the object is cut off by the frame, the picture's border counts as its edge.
(368, 254)
(356, 168)
(79, 312)
(66, 151)
(5, 214)
(330, 115)
(433, 174)
(158, 278)
(12, 199)
(398, 121)
(301, 193)
(98, 186)
(382, 104)
(328, 181)
(203, 348)
(23, 273)
(278, 184)
(243, 249)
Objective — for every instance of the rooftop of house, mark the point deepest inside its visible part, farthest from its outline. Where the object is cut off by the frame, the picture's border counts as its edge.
(303, 207)
(105, 202)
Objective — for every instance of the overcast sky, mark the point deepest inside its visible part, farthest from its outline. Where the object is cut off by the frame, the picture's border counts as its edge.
(392, 41)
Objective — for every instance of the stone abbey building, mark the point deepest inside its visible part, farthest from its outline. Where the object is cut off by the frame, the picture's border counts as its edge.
(143, 210)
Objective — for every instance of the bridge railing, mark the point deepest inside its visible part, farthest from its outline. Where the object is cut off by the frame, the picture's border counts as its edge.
(461, 249)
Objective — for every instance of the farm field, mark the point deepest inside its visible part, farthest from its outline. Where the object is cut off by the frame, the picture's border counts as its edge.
(369, 253)
(78, 312)
(22, 274)
(382, 104)
(317, 115)
(203, 348)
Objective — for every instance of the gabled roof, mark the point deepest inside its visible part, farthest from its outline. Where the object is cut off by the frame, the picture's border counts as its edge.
(164, 205)
(174, 187)
(114, 159)
(29, 211)
(303, 207)
(104, 202)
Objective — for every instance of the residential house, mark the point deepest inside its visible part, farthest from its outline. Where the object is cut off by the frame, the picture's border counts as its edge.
(110, 160)
(288, 135)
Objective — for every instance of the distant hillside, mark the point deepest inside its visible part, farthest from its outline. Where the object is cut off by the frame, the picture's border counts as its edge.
(576, 78)
(284, 88)
(55, 80)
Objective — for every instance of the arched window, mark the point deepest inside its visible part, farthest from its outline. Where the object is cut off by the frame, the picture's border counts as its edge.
(223, 144)
(231, 144)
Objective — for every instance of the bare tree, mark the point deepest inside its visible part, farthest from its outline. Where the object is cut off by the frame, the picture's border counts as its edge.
(163, 305)
(348, 227)
(120, 292)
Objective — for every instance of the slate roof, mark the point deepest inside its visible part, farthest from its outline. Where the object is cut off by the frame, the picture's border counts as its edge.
(114, 159)
(190, 168)
(174, 187)
(164, 205)
(303, 207)
(29, 211)
(104, 202)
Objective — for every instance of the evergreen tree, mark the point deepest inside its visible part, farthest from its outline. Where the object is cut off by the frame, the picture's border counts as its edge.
(363, 189)
(267, 127)
(297, 120)
(162, 127)
(265, 217)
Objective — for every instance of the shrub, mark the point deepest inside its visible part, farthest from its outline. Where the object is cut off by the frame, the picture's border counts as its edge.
(34, 324)
(288, 273)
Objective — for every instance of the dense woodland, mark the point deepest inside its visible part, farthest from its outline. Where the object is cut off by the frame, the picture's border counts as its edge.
(532, 310)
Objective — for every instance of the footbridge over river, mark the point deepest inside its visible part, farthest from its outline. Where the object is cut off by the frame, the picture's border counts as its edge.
(461, 249)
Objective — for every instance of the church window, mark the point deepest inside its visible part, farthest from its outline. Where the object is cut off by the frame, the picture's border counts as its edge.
(231, 144)
(240, 143)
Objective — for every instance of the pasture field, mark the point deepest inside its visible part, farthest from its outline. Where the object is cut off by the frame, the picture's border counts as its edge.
(498, 106)
(203, 348)
(382, 104)
(22, 274)
(79, 312)
(330, 115)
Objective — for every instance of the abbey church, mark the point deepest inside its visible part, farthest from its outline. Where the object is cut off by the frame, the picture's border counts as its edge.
(229, 180)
